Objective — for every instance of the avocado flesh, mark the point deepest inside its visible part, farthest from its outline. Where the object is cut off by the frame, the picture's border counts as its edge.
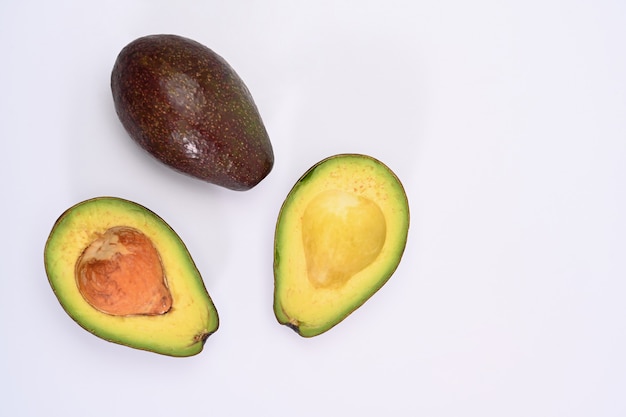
(179, 329)
(187, 107)
(340, 235)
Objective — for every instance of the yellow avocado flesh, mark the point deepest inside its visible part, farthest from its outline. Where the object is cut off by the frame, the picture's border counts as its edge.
(181, 330)
(340, 235)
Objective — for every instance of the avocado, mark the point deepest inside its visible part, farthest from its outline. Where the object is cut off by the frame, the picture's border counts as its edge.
(339, 237)
(185, 105)
(124, 275)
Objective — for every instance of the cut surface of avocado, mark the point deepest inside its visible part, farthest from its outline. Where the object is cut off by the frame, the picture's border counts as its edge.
(124, 275)
(340, 235)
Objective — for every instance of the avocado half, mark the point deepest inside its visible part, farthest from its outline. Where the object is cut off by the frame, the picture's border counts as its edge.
(124, 275)
(339, 237)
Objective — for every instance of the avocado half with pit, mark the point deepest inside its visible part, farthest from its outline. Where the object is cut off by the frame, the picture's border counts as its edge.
(124, 275)
(340, 235)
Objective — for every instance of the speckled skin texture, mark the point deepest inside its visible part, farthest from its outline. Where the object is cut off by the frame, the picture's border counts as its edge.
(187, 107)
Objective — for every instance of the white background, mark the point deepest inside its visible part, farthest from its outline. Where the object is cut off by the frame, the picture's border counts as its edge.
(506, 122)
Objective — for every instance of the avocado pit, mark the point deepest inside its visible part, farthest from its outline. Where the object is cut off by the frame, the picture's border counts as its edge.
(120, 273)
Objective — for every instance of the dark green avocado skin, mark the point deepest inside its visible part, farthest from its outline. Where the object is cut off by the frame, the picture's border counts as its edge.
(186, 106)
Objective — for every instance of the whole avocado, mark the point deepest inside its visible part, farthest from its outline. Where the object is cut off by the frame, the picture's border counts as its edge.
(186, 106)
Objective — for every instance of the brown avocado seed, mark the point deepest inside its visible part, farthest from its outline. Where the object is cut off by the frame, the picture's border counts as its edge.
(120, 273)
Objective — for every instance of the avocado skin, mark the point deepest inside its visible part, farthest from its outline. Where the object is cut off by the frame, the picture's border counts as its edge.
(186, 106)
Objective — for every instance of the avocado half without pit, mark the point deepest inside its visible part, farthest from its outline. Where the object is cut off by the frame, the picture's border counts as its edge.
(124, 275)
(340, 235)
(187, 107)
